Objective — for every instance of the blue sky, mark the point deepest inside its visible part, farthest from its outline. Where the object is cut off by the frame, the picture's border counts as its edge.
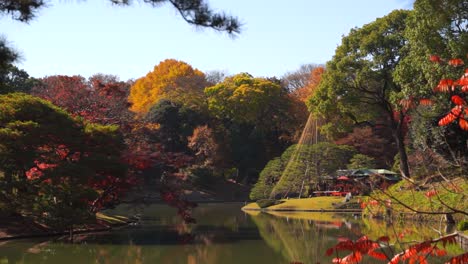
(88, 37)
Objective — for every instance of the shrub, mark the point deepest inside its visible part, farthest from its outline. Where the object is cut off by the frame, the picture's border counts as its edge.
(263, 203)
(462, 225)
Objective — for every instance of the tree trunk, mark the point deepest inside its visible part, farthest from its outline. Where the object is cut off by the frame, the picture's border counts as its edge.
(404, 167)
(70, 233)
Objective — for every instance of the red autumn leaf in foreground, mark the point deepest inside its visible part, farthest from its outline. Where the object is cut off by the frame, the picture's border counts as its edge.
(426, 101)
(463, 258)
(362, 246)
(463, 82)
(463, 124)
(435, 58)
(445, 85)
(458, 100)
(407, 103)
(430, 193)
(455, 62)
(377, 255)
(33, 173)
(384, 239)
(416, 253)
(450, 117)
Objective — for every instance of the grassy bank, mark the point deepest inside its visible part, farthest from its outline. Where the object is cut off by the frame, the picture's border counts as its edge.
(421, 201)
(407, 200)
(324, 203)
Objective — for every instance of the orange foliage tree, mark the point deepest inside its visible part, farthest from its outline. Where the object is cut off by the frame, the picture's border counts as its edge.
(314, 79)
(171, 79)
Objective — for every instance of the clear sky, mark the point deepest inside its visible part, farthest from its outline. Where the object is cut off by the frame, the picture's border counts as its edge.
(93, 36)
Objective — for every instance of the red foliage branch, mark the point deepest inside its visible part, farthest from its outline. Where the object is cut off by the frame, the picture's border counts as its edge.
(362, 246)
(143, 157)
(416, 253)
(460, 111)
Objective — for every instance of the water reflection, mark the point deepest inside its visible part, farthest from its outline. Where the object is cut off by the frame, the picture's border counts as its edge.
(305, 237)
(223, 234)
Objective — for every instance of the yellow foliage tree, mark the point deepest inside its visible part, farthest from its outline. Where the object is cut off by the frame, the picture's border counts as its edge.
(171, 79)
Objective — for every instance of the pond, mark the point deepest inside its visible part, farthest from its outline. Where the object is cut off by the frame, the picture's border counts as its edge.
(223, 234)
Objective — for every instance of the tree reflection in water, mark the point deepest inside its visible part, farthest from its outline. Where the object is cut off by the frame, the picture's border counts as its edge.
(306, 237)
(223, 234)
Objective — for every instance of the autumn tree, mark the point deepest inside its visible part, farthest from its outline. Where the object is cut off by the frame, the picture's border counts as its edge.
(358, 86)
(100, 99)
(301, 85)
(299, 78)
(110, 101)
(172, 80)
(303, 93)
(203, 144)
(55, 166)
(371, 142)
(69, 92)
(194, 12)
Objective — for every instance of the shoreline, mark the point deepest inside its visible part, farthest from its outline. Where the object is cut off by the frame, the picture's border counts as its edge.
(303, 210)
(8, 232)
(54, 234)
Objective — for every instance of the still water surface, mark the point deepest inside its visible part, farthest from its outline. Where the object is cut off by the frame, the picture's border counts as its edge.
(223, 234)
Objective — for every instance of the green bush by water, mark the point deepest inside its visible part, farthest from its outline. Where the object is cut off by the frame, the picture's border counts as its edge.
(263, 203)
(463, 225)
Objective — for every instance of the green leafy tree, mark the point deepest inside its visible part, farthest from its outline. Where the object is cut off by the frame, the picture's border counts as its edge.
(358, 86)
(267, 179)
(257, 117)
(243, 98)
(301, 165)
(436, 29)
(7, 56)
(176, 123)
(13, 79)
(360, 161)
